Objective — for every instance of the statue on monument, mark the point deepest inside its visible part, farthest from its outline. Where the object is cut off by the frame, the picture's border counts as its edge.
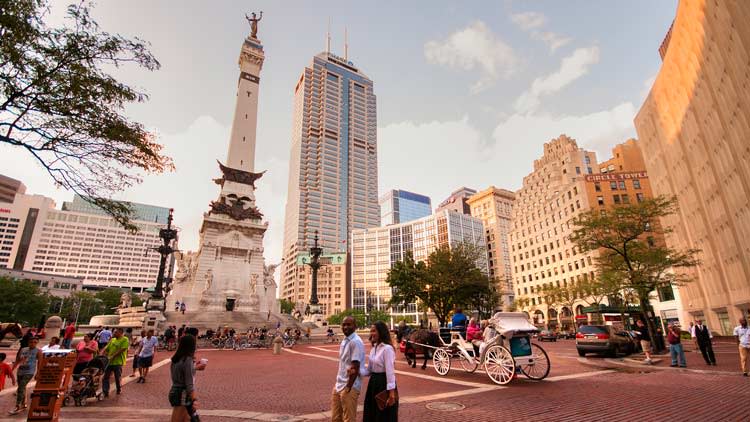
(268, 271)
(254, 24)
(209, 280)
(125, 300)
(253, 282)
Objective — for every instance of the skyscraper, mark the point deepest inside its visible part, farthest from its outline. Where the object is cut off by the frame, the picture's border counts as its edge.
(333, 176)
(457, 201)
(400, 206)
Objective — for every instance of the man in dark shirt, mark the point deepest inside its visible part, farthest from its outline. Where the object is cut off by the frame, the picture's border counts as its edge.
(704, 338)
(645, 339)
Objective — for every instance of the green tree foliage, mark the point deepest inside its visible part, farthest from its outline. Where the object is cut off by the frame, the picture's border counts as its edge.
(22, 301)
(59, 103)
(110, 299)
(378, 315)
(631, 255)
(448, 278)
(287, 306)
(359, 317)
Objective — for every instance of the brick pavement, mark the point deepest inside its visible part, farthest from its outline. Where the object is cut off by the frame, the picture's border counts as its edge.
(254, 384)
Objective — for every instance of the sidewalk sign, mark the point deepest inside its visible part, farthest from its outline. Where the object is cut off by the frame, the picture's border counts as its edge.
(53, 378)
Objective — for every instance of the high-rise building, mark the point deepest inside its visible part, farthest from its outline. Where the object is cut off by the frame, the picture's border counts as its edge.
(400, 206)
(375, 250)
(495, 207)
(457, 201)
(694, 128)
(9, 187)
(333, 175)
(81, 241)
(551, 196)
(333, 289)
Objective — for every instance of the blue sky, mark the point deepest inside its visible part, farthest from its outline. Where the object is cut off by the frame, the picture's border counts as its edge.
(467, 92)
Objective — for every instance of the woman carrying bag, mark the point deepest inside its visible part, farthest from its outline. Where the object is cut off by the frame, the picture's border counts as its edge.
(182, 395)
(381, 399)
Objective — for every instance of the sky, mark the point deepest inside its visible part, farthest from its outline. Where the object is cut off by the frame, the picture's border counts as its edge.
(467, 92)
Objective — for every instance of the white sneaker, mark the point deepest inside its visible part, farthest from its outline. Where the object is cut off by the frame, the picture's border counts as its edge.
(647, 361)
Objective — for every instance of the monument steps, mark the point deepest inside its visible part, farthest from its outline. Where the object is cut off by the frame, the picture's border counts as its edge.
(240, 321)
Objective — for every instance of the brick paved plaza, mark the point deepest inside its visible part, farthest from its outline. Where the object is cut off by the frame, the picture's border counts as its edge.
(256, 385)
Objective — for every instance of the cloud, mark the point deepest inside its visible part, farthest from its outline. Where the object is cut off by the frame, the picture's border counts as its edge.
(533, 22)
(571, 68)
(529, 20)
(475, 46)
(552, 39)
(434, 158)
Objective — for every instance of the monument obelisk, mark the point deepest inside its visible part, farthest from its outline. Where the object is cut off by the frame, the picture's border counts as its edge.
(227, 280)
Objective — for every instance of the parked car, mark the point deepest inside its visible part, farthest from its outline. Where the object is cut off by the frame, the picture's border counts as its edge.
(566, 334)
(548, 335)
(603, 339)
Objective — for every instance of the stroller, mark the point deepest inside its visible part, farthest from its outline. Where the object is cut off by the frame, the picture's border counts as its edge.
(88, 383)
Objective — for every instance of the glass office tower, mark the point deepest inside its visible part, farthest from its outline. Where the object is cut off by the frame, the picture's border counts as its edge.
(400, 206)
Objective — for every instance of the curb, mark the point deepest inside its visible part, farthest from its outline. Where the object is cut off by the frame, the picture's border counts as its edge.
(640, 366)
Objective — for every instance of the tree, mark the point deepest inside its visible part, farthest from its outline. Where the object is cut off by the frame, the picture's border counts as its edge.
(631, 252)
(286, 306)
(378, 315)
(59, 104)
(358, 315)
(110, 298)
(87, 302)
(449, 278)
(22, 301)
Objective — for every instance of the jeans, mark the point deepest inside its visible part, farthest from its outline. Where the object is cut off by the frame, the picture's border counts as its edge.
(675, 351)
(117, 370)
(22, 381)
(66, 343)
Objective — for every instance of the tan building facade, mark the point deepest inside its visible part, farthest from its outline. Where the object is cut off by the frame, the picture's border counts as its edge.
(333, 284)
(552, 195)
(694, 127)
(494, 207)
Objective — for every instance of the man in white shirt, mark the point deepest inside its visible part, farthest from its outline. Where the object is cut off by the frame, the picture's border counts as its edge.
(146, 355)
(348, 378)
(742, 333)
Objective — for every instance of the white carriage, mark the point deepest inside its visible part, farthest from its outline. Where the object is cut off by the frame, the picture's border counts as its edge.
(507, 349)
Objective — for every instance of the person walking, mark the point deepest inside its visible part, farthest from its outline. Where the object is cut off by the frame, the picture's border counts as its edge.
(381, 370)
(183, 308)
(182, 395)
(675, 346)
(742, 333)
(146, 357)
(645, 339)
(6, 371)
(348, 378)
(704, 337)
(86, 349)
(28, 357)
(117, 352)
(136, 353)
(70, 332)
(104, 337)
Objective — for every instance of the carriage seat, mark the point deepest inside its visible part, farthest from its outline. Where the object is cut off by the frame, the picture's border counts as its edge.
(458, 339)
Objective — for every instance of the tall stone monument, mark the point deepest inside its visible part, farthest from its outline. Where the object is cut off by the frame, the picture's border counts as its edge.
(227, 280)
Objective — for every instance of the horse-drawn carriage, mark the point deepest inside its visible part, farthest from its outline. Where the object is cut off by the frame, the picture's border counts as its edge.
(506, 350)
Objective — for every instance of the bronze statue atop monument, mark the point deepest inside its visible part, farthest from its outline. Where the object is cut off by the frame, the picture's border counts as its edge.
(254, 24)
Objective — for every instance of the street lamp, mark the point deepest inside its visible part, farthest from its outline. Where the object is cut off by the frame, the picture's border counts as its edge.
(314, 264)
(167, 235)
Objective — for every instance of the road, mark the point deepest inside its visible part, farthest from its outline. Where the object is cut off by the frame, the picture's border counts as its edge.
(296, 385)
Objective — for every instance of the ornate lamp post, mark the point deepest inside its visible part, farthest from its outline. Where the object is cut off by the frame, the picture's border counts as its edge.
(315, 265)
(167, 235)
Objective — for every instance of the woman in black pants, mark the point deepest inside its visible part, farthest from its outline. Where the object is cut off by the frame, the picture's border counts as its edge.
(382, 375)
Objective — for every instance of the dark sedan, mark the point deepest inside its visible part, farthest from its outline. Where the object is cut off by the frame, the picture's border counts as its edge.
(546, 335)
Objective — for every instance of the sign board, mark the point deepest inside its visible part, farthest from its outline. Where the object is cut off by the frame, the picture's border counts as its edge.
(53, 378)
(607, 177)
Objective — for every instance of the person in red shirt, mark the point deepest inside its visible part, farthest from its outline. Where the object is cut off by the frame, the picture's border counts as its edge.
(87, 349)
(70, 332)
(5, 371)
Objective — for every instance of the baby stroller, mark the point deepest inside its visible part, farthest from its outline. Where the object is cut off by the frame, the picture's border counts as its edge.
(88, 383)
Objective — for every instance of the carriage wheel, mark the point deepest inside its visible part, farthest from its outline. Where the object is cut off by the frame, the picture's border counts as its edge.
(442, 361)
(470, 365)
(499, 364)
(66, 400)
(541, 366)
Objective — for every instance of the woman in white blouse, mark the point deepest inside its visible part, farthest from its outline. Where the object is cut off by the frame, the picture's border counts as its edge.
(380, 369)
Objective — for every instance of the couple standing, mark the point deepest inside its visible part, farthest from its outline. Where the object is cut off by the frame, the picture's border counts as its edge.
(381, 399)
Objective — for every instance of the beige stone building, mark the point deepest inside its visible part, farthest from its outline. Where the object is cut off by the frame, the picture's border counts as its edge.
(494, 207)
(551, 196)
(694, 127)
(333, 284)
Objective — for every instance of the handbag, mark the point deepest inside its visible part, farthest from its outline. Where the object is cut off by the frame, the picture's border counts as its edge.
(382, 398)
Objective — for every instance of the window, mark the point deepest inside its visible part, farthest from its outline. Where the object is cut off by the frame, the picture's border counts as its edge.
(578, 170)
(613, 185)
(639, 197)
(622, 185)
(636, 184)
(616, 198)
(600, 200)
(625, 199)
(597, 187)
(665, 293)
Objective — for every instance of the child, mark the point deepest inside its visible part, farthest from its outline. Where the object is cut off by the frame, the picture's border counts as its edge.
(5, 371)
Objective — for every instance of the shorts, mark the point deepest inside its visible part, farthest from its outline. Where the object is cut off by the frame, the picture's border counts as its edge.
(145, 361)
(646, 346)
(177, 396)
